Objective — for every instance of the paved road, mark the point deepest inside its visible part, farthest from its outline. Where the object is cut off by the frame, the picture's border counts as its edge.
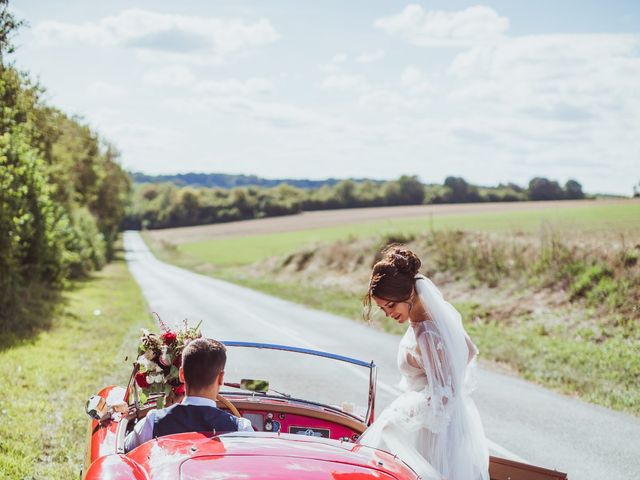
(521, 419)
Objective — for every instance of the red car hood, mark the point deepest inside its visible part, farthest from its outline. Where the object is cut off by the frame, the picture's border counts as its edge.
(193, 456)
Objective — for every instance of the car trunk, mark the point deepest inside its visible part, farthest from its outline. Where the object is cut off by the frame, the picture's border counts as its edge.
(276, 467)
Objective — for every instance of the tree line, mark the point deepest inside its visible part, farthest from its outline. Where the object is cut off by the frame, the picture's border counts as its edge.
(166, 205)
(62, 192)
(225, 180)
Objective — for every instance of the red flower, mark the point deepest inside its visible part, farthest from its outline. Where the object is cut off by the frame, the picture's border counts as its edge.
(141, 380)
(179, 390)
(169, 338)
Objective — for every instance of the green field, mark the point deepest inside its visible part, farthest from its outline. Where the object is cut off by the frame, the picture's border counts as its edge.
(48, 378)
(588, 221)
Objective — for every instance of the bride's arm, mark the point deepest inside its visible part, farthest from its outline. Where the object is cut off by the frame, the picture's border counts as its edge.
(436, 364)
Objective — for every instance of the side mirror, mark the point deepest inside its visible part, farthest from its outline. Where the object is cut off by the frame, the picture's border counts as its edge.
(261, 386)
(96, 407)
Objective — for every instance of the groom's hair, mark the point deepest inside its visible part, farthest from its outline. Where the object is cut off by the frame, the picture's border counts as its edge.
(202, 361)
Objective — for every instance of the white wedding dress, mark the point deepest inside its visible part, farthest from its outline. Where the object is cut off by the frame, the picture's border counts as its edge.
(434, 425)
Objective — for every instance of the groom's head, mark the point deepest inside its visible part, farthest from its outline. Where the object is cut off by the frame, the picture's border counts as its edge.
(203, 362)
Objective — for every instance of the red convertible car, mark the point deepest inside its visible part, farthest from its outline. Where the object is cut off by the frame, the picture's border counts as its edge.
(306, 429)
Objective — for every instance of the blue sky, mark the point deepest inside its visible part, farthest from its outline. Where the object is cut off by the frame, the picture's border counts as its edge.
(494, 92)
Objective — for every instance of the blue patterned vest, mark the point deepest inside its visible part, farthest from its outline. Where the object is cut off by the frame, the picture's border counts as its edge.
(192, 418)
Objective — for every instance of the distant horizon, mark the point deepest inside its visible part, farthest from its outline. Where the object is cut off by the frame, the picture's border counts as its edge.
(362, 179)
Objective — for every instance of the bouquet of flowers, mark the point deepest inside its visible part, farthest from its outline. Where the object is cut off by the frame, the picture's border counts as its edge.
(159, 358)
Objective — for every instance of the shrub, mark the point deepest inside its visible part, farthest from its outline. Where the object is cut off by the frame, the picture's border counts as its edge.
(588, 279)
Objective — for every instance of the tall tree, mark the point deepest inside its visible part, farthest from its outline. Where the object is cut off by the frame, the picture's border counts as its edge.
(8, 26)
(573, 190)
(460, 190)
(541, 188)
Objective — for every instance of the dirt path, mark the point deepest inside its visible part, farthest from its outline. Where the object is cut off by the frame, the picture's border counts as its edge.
(332, 218)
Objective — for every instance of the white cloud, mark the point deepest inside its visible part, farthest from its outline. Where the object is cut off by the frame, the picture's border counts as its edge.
(252, 86)
(563, 105)
(191, 38)
(560, 106)
(340, 58)
(566, 77)
(343, 82)
(170, 76)
(335, 64)
(243, 109)
(471, 26)
(415, 80)
(104, 89)
(370, 57)
(387, 101)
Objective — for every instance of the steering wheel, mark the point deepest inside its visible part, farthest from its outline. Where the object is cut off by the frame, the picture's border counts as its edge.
(234, 411)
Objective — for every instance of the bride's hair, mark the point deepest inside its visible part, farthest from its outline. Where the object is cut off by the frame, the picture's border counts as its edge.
(393, 277)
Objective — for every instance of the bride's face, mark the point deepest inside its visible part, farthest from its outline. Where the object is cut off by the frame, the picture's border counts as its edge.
(399, 311)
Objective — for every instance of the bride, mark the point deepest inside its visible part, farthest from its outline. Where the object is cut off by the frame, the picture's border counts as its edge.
(434, 425)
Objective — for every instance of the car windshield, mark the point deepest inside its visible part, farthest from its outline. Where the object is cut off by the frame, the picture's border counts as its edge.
(328, 381)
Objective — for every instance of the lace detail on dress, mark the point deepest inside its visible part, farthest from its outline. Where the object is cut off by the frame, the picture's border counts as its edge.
(426, 380)
(412, 411)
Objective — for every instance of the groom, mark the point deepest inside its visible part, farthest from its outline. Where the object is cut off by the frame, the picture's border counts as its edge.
(202, 372)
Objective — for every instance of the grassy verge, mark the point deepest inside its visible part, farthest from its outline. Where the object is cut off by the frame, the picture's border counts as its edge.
(605, 372)
(48, 378)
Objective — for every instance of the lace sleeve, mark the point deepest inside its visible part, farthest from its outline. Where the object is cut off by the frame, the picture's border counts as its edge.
(439, 391)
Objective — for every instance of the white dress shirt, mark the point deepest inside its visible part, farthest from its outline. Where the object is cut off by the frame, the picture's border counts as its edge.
(143, 431)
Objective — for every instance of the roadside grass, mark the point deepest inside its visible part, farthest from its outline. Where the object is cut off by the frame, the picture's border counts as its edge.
(48, 378)
(605, 372)
(30, 315)
(583, 223)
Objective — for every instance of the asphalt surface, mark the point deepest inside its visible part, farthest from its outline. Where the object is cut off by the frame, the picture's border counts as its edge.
(522, 420)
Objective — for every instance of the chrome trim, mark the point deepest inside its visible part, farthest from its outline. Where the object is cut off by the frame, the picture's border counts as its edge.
(373, 376)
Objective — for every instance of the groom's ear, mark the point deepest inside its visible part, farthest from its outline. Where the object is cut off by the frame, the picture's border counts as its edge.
(181, 374)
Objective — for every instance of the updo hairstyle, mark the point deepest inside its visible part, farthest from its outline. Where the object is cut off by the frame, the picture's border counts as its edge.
(393, 277)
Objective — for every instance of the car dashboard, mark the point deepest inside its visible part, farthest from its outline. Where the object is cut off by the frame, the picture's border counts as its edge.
(298, 418)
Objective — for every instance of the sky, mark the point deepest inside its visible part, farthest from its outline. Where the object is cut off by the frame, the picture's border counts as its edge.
(494, 92)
